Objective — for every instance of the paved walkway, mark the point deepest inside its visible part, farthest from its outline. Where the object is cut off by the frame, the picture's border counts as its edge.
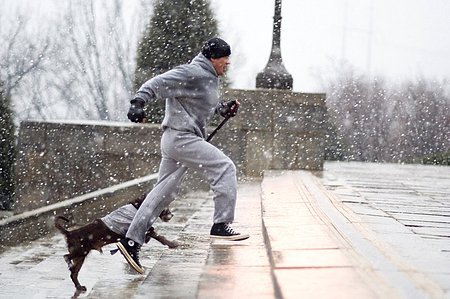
(354, 230)
(404, 212)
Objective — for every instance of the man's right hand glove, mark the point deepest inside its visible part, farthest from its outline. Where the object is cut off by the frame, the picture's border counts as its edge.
(229, 109)
(136, 112)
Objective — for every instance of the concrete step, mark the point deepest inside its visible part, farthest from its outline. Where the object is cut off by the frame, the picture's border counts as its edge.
(239, 269)
(308, 253)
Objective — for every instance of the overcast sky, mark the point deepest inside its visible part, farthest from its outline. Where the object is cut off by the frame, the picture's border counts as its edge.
(400, 39)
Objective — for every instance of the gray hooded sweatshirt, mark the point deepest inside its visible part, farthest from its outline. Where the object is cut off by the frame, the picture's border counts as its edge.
(191, 95)
(190, 92)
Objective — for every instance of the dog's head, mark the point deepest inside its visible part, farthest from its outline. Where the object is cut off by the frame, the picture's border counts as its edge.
(138, 201)
(166, 215)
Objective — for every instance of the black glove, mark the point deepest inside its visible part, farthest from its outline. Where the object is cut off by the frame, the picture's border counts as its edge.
(136, 112)
(228, 109)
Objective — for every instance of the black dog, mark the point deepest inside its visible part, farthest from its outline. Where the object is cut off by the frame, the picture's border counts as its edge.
(95, 235)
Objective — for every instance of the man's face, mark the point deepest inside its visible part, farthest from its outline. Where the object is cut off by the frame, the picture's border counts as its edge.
(221, 64)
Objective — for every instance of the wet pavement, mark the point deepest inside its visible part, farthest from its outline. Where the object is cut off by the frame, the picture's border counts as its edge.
(354, 230)
(404, 211)
(199, 268)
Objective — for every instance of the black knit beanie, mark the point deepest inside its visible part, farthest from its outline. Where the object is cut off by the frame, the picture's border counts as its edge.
(216, 48)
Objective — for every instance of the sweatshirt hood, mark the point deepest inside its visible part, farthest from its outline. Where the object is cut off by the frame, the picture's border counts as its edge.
(204, 63)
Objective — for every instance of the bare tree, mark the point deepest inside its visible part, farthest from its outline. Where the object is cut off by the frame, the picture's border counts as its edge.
(427, 118)
(88, 67)
(96, 68)
(375, 122)
(20, 54)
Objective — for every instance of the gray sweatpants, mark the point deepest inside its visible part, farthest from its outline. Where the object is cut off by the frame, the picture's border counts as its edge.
(182, 150)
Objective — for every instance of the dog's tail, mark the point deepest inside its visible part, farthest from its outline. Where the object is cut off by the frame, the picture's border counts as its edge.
(59, 225)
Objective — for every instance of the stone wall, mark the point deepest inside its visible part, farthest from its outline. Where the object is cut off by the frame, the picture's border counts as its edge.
(61, 160)
(280, 129)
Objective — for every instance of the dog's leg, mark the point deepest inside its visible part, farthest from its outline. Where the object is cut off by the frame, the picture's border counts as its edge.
(152, 234)
(74, 270)
(68, 259)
